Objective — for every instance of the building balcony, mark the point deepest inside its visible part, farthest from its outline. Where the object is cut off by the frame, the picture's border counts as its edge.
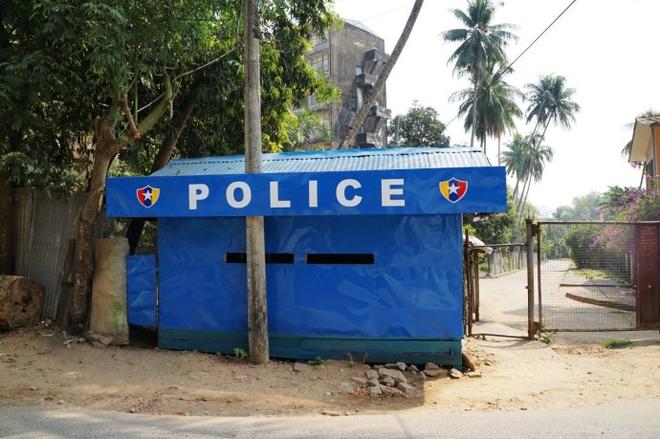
(368, 139)
(366, 80)
(378, 111)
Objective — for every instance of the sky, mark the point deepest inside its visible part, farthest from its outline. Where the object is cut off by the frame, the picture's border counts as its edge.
(606, 49)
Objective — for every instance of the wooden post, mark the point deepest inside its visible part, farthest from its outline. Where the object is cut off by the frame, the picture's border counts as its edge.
(530, 278)
(254, 225)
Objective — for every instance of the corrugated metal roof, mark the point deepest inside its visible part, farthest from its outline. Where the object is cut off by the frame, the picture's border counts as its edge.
(367, 159)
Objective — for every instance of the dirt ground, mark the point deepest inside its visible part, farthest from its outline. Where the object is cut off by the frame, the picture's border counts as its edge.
(37, 368)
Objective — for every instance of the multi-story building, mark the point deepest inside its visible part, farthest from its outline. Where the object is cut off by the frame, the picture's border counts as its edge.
(352, 57)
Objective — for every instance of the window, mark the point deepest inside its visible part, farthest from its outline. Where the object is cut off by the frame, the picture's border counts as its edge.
(340, 258)
(320, 62)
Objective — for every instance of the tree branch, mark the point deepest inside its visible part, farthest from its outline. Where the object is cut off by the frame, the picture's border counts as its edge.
(154, 116)
(132, 128)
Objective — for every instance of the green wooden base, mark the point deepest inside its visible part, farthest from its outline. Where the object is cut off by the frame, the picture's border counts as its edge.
(377, 350)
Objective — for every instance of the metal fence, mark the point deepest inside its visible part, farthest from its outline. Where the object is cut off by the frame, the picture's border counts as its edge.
(44, 228)
(502, 259)
(586, 276)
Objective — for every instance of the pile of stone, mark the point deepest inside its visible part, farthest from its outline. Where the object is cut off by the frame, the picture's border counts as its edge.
(390, 379)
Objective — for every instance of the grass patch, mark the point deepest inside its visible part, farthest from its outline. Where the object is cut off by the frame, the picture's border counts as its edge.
(546, 337)
(240, 353)
(615, 343)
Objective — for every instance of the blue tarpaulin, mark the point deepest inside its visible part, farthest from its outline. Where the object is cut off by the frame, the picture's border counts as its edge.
(141, 290)
(413, 288)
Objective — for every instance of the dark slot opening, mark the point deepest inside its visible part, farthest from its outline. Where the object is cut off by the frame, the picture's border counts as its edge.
(235, 258)
(271, 258)
(340, 258)
(279, 258)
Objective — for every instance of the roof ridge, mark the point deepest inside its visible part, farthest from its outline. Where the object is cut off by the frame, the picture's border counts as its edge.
(317, 155)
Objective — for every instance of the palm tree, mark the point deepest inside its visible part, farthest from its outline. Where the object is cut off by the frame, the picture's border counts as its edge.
(514, 159)
(537, 157)
(550, 102)
(495, 106)
(481, 45)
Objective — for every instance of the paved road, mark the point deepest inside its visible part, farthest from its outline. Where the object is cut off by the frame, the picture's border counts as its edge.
(623, 419)
(503, 305)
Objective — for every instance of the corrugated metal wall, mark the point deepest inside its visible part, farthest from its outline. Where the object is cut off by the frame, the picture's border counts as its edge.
(44, 226)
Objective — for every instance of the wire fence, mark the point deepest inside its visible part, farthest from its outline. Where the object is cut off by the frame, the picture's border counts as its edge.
(587, 276)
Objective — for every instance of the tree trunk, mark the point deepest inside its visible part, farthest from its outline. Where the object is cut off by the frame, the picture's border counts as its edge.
(6, 225)
(107, 147)
(474, 110)
(499, 150)
(84, 254)
(536, 146)
(254, 225)
(641, 181)
(136, 225)
(361, 115)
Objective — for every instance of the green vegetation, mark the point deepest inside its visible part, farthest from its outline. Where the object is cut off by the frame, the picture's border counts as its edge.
(317, 361)
(547, 337)
(240, 353)
(584, 208)
(420, 126)
(615, 343)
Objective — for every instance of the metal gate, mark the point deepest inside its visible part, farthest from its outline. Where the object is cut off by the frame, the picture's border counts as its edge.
(588, 275)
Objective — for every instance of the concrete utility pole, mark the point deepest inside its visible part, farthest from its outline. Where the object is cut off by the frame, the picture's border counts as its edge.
(254, 225)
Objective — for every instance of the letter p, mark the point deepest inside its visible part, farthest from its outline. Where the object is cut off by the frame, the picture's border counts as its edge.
(196, 192)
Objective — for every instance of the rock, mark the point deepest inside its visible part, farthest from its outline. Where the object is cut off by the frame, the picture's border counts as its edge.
(455, 373)
(391, 366)
(327, 412)
(436, 373)
(21, 300)
(301, 367)
(237, 377)
(405, 388)
(375, 391)
(413, 368)
(328, 393)
(98, 340)
(388, 381)
(431, 366)
(401, 365)
(73, 375)
(371, 374)
(346, 387)
(468, 362)
(488, 363)
(359, 381)
(396, 375)
(474, 374)
(373, 382)
(391, 391)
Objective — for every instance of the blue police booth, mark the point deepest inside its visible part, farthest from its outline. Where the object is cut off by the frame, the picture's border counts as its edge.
(363, 250)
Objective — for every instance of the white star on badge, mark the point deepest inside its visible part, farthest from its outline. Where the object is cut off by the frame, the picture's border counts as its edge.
(453, 189)
(147, 195)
